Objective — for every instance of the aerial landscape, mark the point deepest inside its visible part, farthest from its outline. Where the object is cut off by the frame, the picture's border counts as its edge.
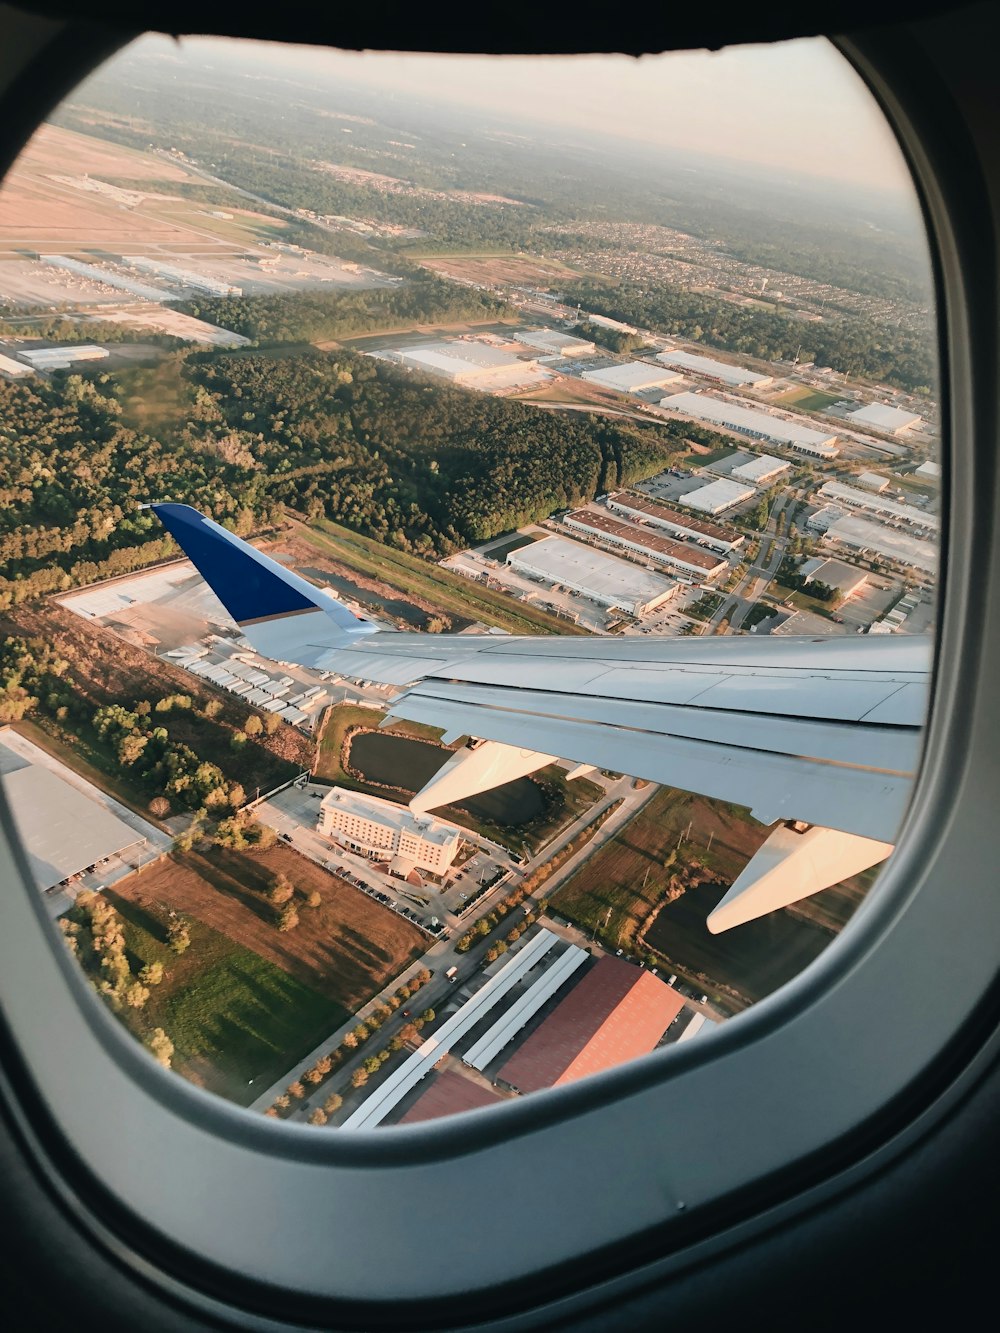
(462, 378)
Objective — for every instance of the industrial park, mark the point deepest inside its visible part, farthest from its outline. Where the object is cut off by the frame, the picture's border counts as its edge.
(353, 890)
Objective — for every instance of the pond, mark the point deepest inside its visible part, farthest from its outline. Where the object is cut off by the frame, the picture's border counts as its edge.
(397, 761)
(754, 959)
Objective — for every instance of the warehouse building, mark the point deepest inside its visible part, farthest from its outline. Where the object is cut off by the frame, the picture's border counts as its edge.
(60, 358)
(863, 535)
(195, 282)
(602, 578)
(835, 574)
(689, 562)
(751, 421)
(470, 364)
(872, 481)
(64, 832)
(715, 535)
(632, 377)
(13, 370)
(837, 493)
(383, 831)
(760, 471)
(882, 417)
(115, 280)
(555, 343)
(718, 496)
(715, 370)
(448, 1093)
(602, 321)
(930, 470)
(616, 1012)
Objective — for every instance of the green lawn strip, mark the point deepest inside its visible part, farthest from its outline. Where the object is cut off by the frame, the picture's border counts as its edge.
(703, 460)
(231, 1014)
(451, 592)
(808, 400)
(803, 601)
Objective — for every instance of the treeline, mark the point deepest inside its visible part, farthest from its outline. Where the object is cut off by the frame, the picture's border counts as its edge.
(316, 316)
(853, 345)
(613, 340)
(60, 328)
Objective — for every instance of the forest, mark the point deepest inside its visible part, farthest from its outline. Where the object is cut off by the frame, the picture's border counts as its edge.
(423, 466)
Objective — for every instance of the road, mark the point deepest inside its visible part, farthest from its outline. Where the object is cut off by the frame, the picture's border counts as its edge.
(751, 587)
(443, 954)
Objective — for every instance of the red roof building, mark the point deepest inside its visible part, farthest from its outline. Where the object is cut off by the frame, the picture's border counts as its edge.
(616, 1012)
(448, 1093)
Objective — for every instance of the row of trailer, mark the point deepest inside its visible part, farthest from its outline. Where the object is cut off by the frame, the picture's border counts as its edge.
(254, 686)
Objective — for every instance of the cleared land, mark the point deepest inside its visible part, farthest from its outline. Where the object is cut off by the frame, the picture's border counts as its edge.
(246, 999)
(414, 578)
(497, 269)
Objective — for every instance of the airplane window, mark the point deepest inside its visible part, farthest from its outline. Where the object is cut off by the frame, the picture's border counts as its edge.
(468, 553)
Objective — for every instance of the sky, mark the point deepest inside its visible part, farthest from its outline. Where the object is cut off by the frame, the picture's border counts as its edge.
(795, 105)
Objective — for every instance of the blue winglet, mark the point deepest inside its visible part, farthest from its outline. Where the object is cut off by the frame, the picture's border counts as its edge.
(251, 586)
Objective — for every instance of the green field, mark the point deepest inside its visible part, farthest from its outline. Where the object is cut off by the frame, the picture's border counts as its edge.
(232, 1015)
(339, 721)
(447, 591)
(695, 459)
(809, 400)
(514, 543)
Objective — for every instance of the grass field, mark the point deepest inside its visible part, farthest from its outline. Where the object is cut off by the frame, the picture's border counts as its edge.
(616, 889)
(702, 458)
(515, 543)
(809, 400)
(450, 592)
(339, 721)
(245, 1000)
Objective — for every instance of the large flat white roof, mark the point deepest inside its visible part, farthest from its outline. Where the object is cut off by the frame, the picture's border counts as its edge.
(751, 421)
(716, 496)
(929, 469)
(631, 376)
(719, 370)
(15, 369)
(559, 560)
(884, 417)
(862, 534)
(553, 341)
(63, 831)
(836, 490)
(760, 467)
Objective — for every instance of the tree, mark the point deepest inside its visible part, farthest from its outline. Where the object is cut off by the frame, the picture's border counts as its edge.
(136, 995)
(333, 1103)
(237, 740)
(314, 898)
(213, 708)
(271, 723)
(253, 725)
(283, 1101)
(350, 1040)
(296, 1090)
(359, 1078)
(318, 1116)
(281, 890)
(372, 1064)
(428, 1015)
(151, 974)
(161, 1047)
(288, 918)
(159, 806)
(178, 934)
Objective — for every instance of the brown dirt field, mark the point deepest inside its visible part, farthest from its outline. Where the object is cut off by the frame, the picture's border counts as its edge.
(348, 948)
(65, 152)
(495, 268)
(106, 669)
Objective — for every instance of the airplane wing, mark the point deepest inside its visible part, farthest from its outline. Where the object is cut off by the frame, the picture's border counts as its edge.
(822, 734)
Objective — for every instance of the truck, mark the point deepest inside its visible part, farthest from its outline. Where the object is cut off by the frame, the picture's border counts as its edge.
(451, 973)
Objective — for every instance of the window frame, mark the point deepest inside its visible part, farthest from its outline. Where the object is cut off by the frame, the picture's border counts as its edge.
(172, 1182)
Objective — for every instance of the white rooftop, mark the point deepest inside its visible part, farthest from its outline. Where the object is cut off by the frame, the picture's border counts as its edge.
(389, 815)
(716, 496)
(553, 341)
(836, 490)
(482, 355)
(862, 534)
(62, 830)
(631, 376)
(929, 469)
(558, 560)
(872, 481)
(719, 370)
(884, 417)
(752, 421)
(758, 468)
(15, 369)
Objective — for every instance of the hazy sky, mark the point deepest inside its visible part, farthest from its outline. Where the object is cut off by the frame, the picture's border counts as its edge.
(797, 105)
